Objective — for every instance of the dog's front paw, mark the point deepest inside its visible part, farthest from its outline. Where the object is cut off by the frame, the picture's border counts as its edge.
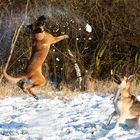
(66, 36)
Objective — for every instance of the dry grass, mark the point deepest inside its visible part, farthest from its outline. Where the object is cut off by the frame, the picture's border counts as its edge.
(135, 87)
(104, 87)
(64, 93)
(109, 86)
(9, 89)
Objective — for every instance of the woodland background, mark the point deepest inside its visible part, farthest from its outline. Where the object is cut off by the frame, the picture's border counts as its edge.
(114, 42)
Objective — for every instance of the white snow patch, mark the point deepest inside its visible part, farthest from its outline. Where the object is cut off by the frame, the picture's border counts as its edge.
(81, 118)
(88, 28)
(138, 97)
(89, 38)
(57, 59)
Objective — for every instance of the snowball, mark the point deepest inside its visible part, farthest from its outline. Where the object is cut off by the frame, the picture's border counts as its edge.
(57, 59)
(89, 38)
(88, 28)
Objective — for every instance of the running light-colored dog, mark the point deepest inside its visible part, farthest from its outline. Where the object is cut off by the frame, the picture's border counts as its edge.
(126, 105)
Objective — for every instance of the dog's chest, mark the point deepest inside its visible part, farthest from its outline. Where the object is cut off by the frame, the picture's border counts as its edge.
(117, 106)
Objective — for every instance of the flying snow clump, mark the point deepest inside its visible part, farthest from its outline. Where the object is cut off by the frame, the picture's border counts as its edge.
(88, 28)
(57, 59)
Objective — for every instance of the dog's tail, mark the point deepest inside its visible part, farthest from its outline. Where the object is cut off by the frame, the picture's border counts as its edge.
(11, 78)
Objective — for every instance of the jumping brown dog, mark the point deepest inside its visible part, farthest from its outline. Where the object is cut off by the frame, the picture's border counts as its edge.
(33, 77)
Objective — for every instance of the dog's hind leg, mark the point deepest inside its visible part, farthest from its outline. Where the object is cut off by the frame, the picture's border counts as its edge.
(30, 91)
(33, 87)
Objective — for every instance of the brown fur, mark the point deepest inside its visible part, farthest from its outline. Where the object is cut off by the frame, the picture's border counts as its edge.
(126, 105)
(41, 45)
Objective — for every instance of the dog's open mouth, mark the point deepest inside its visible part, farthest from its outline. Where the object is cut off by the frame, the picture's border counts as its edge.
(38, 30)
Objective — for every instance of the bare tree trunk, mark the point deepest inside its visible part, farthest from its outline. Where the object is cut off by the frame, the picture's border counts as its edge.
(77, 69)
(14, 39)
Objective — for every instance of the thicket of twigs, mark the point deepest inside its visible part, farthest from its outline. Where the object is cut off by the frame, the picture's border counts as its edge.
(114, 42)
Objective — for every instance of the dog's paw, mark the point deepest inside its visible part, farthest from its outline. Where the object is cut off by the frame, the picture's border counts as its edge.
(66, 36)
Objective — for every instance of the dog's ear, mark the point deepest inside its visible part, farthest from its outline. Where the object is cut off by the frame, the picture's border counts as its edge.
(117, 79)
(30, 27)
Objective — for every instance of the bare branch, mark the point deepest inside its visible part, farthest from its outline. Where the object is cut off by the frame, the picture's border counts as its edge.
(15, 37)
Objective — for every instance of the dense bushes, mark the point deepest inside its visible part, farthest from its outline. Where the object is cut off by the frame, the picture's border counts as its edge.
(114, 42)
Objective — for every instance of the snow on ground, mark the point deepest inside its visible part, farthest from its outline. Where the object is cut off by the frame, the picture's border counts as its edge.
(81, 118)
